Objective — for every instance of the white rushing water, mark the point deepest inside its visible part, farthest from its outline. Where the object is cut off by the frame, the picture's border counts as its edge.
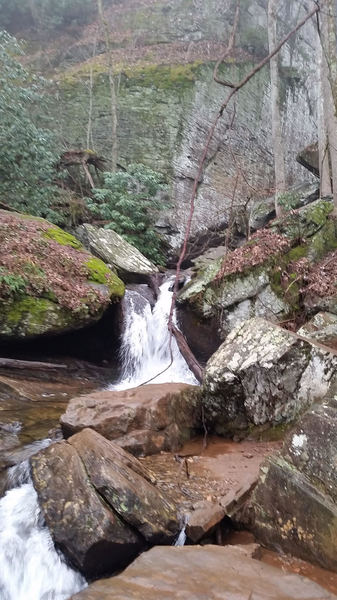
(145, 345)
(30, 567)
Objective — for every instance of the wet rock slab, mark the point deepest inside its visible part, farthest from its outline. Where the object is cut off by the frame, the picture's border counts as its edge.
(200, 572)
(142, 420)
(207, 483)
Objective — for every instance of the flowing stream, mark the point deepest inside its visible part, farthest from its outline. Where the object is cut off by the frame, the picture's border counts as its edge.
(30, 566)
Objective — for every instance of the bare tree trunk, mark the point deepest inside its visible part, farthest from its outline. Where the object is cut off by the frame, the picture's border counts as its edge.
(330, 14)
(279, 158)
(323, 141)
(91, 89)
(329, 83)
(114, 147)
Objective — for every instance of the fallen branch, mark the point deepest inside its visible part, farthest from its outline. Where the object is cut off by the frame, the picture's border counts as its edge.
(4, 206)
(188, 355)
(13, 363)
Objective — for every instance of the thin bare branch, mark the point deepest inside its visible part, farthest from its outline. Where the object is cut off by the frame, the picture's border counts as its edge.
(229, 49)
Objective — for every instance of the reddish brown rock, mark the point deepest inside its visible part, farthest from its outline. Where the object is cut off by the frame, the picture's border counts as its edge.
(200, 572)
(143, 420)
(204, 518)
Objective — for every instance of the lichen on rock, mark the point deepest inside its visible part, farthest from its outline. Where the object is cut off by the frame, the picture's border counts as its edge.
(263, 375)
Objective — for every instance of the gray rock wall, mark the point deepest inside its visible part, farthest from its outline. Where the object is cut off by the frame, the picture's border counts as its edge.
(163, 55)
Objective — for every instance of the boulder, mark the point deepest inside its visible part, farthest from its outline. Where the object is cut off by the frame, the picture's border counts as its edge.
(303, 477)
(49, 284)
(100, 503)
(114, 250)
(143, 420)
(87, 531)
(223, 304)
(199, 572)
(322, 328)
(125, 485)
(312, 225)
(260, 212)
(263, 375)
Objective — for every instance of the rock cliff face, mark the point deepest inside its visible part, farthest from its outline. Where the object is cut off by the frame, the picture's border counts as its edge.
(164, 54)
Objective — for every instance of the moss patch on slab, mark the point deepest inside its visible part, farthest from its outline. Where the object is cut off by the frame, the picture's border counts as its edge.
(62, 237)
(98, 272)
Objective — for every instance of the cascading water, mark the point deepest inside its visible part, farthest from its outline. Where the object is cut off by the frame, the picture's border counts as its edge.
(30, 567)
(145, 346)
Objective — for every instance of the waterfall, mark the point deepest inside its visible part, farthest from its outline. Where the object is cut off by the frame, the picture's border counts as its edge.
(145, 345)
(30, 567)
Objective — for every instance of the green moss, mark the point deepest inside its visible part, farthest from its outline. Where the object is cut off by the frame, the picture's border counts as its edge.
(144, 75)
(62, 237)
(162, 76)
(296, 253)
(265, 433)
(29, 317)
(323, 241)
(318, 212)
(98, 272)
(35, 307)
(304, 223)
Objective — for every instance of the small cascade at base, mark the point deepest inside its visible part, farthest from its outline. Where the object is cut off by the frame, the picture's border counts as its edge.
(145, 349)
(30, 566)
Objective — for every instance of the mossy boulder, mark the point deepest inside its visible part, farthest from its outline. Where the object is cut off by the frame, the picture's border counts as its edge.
(262, 278)
(304, 223)
(49, 283)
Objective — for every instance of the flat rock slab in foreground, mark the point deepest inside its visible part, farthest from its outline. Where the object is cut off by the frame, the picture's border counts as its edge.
(263, 375)
(99, 503)
(203, 572)
(143, 420)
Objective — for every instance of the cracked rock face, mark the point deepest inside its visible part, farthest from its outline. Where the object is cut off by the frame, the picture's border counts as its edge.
(263, 375)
